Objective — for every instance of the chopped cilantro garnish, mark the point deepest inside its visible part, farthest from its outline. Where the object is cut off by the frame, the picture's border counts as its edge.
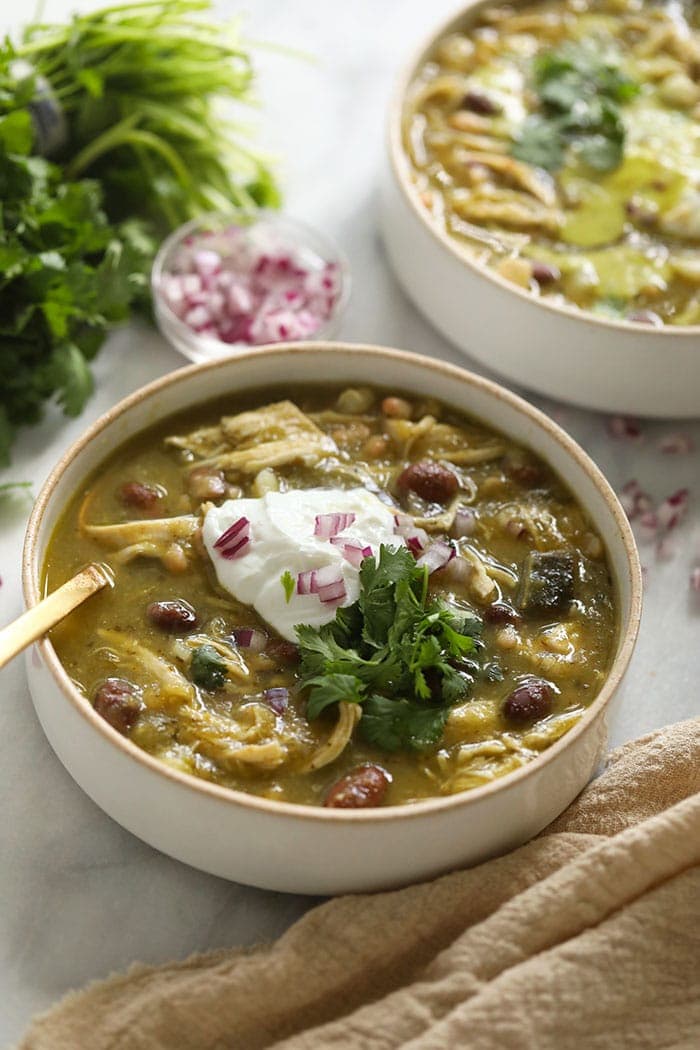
(287, 581)
(405, 656)
(207, 668)
(580, 90)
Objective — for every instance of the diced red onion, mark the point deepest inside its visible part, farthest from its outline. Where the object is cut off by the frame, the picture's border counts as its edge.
(304, 580)
(332, 592)
(459, 570)
(516, 528)
(277, 698)
(464, 523)
(329, 525)
(672, 511)
(312, 581)
(351, 552)
(403, 525)
(437, 556)
(239, 526)
(236, 549)
(206, 262)
(634, 500)
(233, 543)
(414, 544)
(198, 317)
(625, 428)
(676, 444)
(695, 579)
(648, 525)
(249, 638)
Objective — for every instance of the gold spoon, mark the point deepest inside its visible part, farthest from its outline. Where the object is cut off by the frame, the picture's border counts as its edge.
(51, 610)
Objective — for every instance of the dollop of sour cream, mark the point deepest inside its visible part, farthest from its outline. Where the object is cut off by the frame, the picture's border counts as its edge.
(282, 539)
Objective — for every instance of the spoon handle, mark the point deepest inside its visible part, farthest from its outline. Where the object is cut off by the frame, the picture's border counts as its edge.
(51, 610)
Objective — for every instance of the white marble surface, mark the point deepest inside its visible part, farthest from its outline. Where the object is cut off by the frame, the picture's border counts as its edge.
(80, 897)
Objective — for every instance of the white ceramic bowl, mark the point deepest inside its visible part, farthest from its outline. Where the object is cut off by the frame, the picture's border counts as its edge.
(614, 366)
(296, 848)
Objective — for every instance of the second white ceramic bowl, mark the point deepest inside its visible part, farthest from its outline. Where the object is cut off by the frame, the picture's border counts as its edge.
(305, 849)
(613, 366)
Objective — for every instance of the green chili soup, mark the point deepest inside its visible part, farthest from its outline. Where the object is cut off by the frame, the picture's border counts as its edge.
(458, 605)
(558, 143)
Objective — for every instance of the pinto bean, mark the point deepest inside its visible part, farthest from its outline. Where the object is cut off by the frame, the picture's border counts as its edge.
(175, 617)
(205, 483)
(524, 473)
(544, 273)
(500, 613)
(528, 702)
(478, 102)
(430, 480)
(282, 651)
(117, 701)
(359, 789)
(137, 494)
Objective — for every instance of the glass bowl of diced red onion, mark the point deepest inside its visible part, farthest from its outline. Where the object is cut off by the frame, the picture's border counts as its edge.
(222, 282)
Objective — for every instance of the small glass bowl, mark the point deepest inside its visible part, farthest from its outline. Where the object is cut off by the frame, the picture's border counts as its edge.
(265, 230)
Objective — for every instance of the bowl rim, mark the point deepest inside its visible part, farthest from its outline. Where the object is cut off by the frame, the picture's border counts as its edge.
(400, 168)
(166, 316)
(31, 571)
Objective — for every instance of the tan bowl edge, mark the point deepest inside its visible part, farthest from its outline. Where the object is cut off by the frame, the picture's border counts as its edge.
(31, 588)
(400, 166)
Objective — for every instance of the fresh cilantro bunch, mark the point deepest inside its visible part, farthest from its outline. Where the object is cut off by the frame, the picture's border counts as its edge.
(136, 106)
(405, 656)
(580, 91)
(66, 275)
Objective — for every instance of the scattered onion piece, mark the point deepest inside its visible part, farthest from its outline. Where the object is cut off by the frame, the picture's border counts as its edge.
(695, 579)
(673, 509)
(249, 638)
(277, 698)
(676, 444)
(625, 428)
(437, 556)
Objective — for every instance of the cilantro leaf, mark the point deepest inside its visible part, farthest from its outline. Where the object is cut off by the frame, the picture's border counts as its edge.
(332, 689)
(401, 724)
(540, 142)
(207, 668)
(287, 581)
(404, 656)
(580, 90)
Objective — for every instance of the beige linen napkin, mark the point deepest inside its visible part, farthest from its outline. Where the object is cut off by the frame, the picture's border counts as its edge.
(587, 937)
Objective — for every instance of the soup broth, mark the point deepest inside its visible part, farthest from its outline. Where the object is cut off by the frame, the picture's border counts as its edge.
(558, 143)
(202, 681)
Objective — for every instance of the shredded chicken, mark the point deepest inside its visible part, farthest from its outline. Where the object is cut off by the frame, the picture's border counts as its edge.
(235, 664)
(348, 717)
(440, 522)
(230, 742)
(480, 582)
(520, 213)
(169, 683)
(152, 536)
(535, 181)
(250, 442)
(405, 433)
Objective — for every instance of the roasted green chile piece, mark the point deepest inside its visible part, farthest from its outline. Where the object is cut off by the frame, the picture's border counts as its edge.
(546, 582)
